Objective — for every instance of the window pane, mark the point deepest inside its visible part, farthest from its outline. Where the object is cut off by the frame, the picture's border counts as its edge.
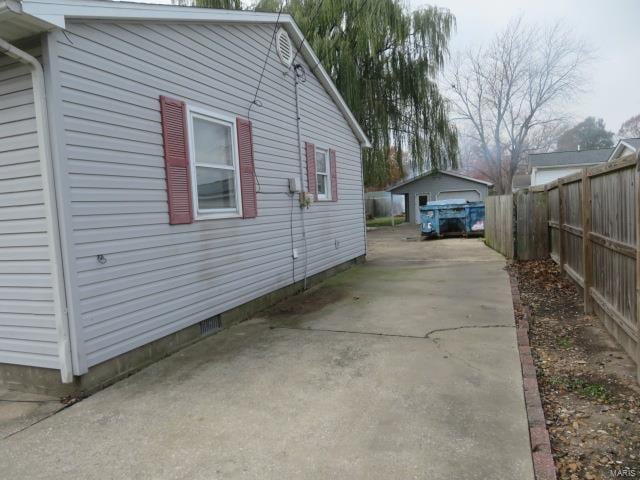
(216, 188)
(213, 144)
(321, 162)
(322, 184)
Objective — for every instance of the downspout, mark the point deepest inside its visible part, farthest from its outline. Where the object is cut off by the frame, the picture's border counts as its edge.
(46, 167)
(364, 206)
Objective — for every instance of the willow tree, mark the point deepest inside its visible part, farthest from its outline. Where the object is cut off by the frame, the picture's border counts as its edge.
(384, 59)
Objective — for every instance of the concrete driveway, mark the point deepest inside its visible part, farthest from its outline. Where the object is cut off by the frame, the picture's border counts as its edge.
(404, 367)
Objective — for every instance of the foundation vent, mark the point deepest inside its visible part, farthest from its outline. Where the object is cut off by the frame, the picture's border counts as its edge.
(284, 47)
(210, 325)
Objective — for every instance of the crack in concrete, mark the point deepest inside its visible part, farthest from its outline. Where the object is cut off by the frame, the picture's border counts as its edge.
(438, 330)
(376, 334)
(380, 334)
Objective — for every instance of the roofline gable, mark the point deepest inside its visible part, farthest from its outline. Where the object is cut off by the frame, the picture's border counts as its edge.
(54, 14)
(619, 147)
(444, 172)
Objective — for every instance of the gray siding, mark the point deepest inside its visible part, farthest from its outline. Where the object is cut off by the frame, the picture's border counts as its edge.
(160, 278)
(27, 321)
(433, 185)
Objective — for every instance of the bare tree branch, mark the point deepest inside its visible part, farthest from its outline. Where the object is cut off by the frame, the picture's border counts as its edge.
(507, 94)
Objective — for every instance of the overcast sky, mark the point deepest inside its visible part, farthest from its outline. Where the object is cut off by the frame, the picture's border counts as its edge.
(611, 27)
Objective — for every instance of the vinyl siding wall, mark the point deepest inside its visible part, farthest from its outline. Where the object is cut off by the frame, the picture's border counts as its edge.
(160, 278)
(434, 184)
(27, 321)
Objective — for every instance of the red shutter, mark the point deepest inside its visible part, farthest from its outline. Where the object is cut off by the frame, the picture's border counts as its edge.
(247, 168)
(334, 175)
(312, 178)
(176, 160)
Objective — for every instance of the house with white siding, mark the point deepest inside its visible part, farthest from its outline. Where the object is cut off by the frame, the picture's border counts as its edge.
(546, 167)
(164, 171)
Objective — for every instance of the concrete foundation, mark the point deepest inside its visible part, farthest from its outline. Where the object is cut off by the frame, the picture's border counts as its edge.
(47, 381)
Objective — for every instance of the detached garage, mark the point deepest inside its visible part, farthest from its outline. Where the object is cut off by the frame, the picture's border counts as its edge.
(438, 185)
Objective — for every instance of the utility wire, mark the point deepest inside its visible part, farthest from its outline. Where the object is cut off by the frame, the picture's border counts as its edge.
(255, 100)
(310, 23)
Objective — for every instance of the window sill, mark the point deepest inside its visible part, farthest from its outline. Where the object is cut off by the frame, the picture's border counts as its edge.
(216, 216)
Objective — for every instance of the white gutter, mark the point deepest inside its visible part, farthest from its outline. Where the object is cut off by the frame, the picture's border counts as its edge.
(44, 148)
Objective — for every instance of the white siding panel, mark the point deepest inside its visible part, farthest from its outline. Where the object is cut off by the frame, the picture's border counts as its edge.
(27, 323)
(159, 278)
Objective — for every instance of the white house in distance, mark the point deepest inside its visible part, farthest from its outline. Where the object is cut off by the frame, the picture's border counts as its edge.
(546, 167)
(147, 198)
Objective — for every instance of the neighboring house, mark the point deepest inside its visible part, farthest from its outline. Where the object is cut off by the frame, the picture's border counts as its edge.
(139, 201)
(546, 167)
(438, 185)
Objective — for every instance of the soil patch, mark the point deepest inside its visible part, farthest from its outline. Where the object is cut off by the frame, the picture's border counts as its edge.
(590, 395)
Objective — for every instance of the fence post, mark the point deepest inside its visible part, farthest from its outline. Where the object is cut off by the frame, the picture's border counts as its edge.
(560, 225)
(393, 223)
(587, 262)
(637, 185)
(514, 227)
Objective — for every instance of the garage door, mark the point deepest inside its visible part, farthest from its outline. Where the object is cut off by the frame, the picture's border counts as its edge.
(471, 195)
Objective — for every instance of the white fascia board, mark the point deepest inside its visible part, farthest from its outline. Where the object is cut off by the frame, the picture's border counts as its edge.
(110, 10)
(575, 165)
(619, 148)
(465, 177)
(57, 11)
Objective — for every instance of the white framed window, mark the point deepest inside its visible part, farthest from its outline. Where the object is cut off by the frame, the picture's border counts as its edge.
(215, 171)
(323, 174)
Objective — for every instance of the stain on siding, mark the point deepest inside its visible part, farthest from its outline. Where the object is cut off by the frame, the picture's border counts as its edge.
(160, 278)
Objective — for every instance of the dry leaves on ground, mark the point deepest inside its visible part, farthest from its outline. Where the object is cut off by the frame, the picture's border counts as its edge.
(588, 385)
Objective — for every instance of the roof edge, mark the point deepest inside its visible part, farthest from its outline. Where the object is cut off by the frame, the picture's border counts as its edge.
(619, 147)
(444, 172)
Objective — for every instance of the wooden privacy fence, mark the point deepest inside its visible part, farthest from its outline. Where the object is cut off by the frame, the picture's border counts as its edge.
(589, 224)
(498, 224)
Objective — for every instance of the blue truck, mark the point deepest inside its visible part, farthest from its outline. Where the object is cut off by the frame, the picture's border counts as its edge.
(451, 217)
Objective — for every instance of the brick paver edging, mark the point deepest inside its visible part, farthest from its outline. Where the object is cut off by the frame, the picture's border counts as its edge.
(543, 466)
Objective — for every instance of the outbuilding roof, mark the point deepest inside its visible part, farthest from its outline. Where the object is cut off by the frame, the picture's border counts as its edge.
(444, 172)
(572, 157)
(29, 17)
